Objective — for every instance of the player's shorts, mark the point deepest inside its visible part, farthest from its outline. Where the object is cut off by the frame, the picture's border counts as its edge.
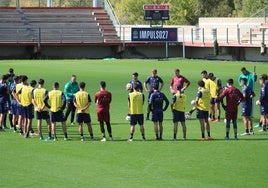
(42, 115)
(57, 116)
(28, 111)
(14, 107)
(136, 118)
(231, 115)
(246, 110)
(83, 118)
(178, 116)
(213, 100)
(103, 115)
(157, 116)
(263, 110)
(19, 109)
(201, 114)
(3, 108)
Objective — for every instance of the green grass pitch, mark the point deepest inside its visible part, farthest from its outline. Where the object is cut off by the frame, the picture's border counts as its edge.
(191, 163)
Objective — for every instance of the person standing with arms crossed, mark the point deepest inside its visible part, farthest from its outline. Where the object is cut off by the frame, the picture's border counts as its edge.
(178, 81)
(151, 81)
(103, 98)
(70, 89)
(156, 106)
(135, 105)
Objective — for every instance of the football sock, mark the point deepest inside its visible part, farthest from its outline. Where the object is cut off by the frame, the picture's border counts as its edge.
(148, 114)
(203, 135)
(174, 136)
(143, 136)
(49, 134)
(65, 135)
(10, 120)
(81, 134)
(227, 134)
(235, 135)
(131, 135)
(247, 131)
(91, 135)
(208, 134)
(156, 136)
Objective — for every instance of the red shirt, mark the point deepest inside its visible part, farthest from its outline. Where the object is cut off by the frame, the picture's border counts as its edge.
(178, 81)
(103, 99)
(233, 98)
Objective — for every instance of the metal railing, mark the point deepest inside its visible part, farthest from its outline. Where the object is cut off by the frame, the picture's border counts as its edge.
(51, 35)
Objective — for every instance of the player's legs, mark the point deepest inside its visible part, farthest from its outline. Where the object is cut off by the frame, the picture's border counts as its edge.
(212, 112)
(81, 132)
(1, 121)
(53, 130)
(228, 121)
(202, 126)
(246, 125)
(109, 129)
(207, 128)
(156, 130)
(64, 129)
(218, 110)
(184, 129)
(175, 130)
(48, 127)
(235, 128)
(72, 113)
(160, 130)
(70, 109)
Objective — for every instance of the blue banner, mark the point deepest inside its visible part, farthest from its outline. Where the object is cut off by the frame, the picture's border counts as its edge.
(154, 34)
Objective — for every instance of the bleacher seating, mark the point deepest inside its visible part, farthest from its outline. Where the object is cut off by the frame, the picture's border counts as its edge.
(56, 25)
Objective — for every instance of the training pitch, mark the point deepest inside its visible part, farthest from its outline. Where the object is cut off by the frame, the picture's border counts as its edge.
(191, 163)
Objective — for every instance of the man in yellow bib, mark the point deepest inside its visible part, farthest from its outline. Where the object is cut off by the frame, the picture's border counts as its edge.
(57, 103)
(135, 105)
(202, 103)
(82, 102)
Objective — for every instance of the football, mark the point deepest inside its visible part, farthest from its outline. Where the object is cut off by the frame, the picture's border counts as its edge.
(187, 115)
(128, 117)
(128, 86)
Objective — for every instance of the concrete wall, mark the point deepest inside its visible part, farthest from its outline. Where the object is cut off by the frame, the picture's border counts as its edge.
(138, 51)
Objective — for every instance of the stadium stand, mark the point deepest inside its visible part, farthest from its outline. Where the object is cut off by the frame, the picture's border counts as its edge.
(56, 26)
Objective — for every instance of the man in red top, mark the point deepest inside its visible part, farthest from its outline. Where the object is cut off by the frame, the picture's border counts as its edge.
(233, 99)
(103, 99)
(178, 81)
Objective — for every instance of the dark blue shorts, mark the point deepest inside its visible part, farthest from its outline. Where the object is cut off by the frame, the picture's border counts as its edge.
(263, 110)
(136, 118)
(57, 116)
(19, 108)
(83, 118)
(14, 107)
(178, 116)
(246, 110)
(200, 114)
(3, 108)
(157, 116)
(28, 111)
(42, 115)
(213, 101)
